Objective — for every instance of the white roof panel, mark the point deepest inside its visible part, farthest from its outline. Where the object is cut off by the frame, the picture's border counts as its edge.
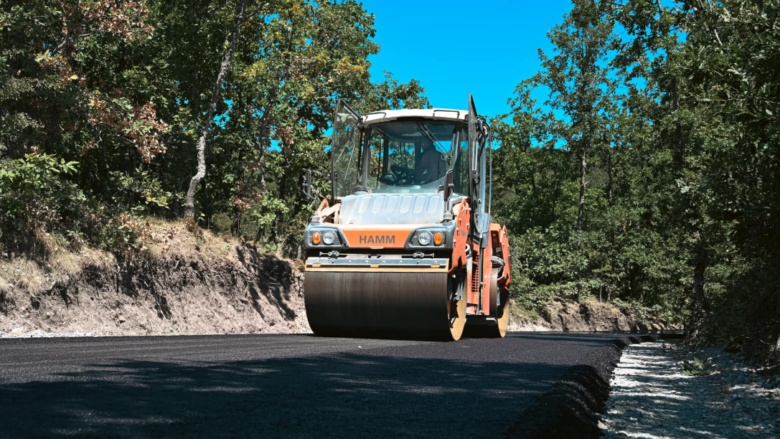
(427, 113)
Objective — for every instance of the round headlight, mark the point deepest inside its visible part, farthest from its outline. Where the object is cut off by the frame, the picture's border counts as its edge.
(424, 238)
(328, 238)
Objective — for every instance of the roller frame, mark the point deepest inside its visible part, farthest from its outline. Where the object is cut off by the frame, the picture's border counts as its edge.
(379, 281)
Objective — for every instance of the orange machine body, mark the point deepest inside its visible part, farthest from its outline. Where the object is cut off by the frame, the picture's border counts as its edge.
(465, 253)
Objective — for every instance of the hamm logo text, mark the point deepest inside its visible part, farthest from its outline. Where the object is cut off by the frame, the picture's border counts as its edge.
(377, 239)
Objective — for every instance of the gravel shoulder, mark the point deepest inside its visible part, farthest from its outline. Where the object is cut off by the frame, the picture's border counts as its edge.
(651, 397)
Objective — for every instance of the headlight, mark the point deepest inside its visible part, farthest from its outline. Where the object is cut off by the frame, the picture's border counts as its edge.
(431, 238)
(424, 238)
(328, 238)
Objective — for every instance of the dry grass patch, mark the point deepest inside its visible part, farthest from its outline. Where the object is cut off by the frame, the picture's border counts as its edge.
(158, 238)
(22, 274)
(517, 310)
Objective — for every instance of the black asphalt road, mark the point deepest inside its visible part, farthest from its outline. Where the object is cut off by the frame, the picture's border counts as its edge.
(278, 385)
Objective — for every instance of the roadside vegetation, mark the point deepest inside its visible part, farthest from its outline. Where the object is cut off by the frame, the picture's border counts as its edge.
(639, 167)
(109, 109)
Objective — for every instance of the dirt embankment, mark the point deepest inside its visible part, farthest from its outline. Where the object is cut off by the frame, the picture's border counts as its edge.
(587, 316)
(183, 285)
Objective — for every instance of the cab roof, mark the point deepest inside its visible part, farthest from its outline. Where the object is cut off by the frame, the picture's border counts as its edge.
(426, 113)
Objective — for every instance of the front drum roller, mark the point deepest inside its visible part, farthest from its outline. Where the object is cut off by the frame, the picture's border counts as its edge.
(376, 304)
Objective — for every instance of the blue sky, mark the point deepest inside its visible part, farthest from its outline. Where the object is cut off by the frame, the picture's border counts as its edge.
(457, 47)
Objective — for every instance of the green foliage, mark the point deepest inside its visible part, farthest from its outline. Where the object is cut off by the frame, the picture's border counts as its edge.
(677, 213)
(36, 194)
(121, 88)
(139, 192)
(697, 367)
(117, 235)
(36, 182)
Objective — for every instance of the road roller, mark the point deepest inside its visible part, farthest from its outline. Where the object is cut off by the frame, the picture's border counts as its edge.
(405, 246)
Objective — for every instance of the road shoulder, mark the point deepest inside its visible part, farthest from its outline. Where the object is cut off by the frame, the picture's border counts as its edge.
(571, 409)
(652, 397)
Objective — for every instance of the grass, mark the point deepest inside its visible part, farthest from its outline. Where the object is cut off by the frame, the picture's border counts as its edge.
(21, 273)
(517, 310)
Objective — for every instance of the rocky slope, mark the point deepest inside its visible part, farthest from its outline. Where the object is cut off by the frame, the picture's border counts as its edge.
(588, 316)
(180, 284)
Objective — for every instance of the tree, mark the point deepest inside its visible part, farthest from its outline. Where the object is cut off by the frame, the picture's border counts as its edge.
(581, 102)
(139, 94)
(230, 46)
(579, 86)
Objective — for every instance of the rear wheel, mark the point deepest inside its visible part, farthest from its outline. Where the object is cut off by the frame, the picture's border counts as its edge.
(493, 326)
(502, 317)
(456, 310)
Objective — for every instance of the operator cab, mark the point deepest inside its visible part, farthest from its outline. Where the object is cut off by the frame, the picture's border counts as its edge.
(400, 151)
(414, 152)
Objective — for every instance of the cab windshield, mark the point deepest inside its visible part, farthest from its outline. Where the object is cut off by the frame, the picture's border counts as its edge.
(413, 156)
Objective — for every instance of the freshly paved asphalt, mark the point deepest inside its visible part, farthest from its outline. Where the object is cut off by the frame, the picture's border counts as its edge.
(278, 385)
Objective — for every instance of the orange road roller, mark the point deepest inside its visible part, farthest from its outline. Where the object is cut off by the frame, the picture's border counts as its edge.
(406, 247)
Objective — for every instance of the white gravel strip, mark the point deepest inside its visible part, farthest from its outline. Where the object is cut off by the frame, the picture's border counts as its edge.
(21, 333)
(651, 398)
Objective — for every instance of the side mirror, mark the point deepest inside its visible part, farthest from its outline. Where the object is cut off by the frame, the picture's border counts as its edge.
(449, 185)
(307, 184)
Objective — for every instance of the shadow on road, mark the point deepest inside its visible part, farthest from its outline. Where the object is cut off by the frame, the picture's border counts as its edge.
(328, 396)
(473, 388)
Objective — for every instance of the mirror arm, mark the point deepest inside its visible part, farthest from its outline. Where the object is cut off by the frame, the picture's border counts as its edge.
(307, 185)
(449, 189)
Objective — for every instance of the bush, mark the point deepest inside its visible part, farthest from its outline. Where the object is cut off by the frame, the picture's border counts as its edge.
(697, 367)
(37, 198)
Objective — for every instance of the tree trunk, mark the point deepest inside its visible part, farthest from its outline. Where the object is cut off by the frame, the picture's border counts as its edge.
(238, 213)
(777, 346)
(264, 134)
(266, 124)
(235, 225)
(699, 269)
(609, 174)
(700, 307)
(263, 190)
(581, 211)
(581, 207)
(189, 204)
(279, 222)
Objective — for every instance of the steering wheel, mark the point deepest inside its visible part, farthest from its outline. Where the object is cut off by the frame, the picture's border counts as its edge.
(402, 175)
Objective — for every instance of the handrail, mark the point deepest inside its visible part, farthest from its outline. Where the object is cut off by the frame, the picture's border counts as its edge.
(457, 112)
(383, 113)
